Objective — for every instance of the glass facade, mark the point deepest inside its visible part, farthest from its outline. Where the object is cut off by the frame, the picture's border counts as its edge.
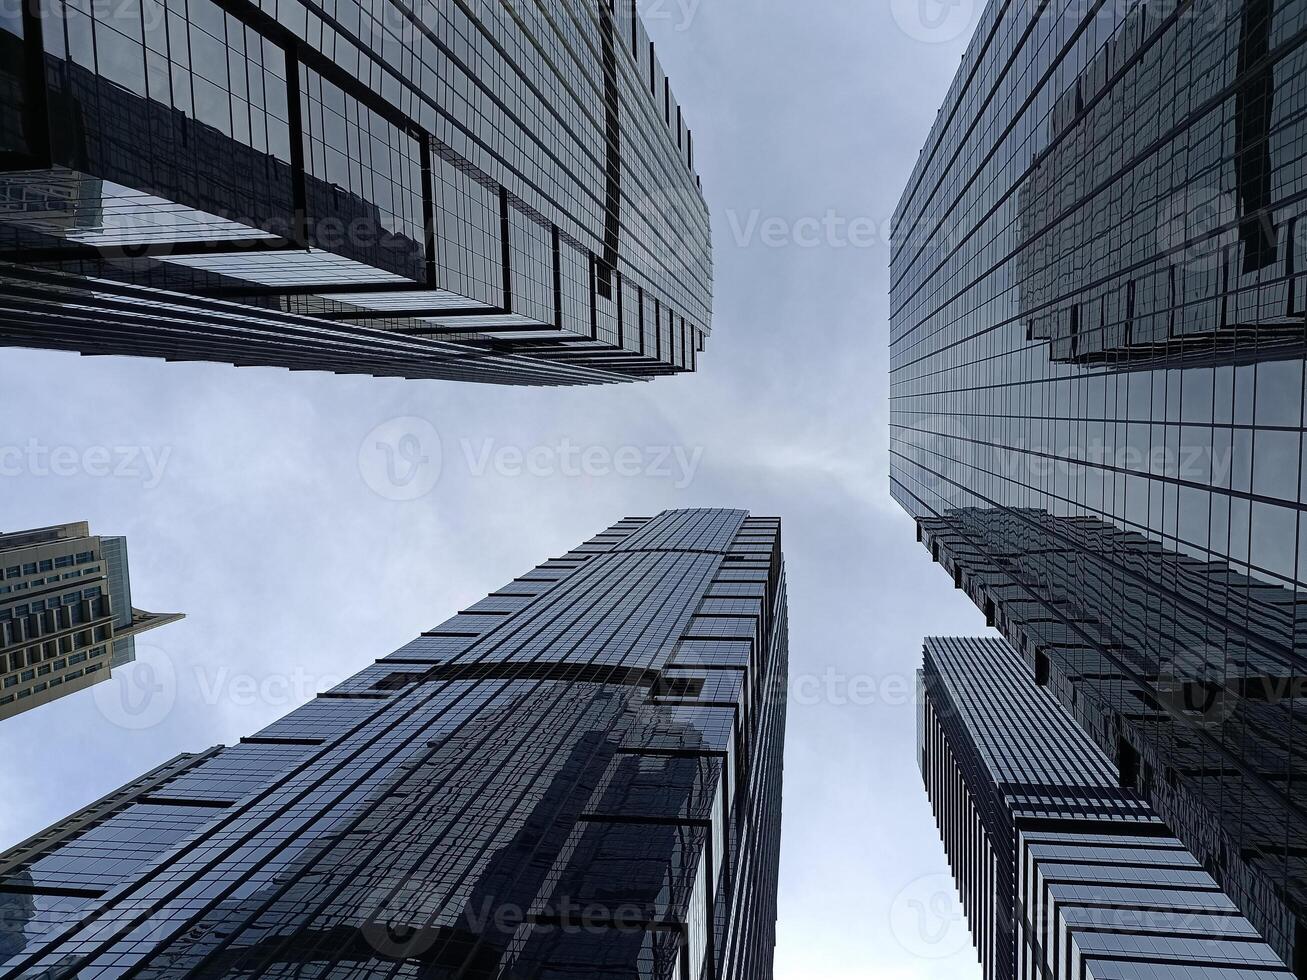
(579, 775)
(1064, 874)
(66, 614)
(493, 192)
(1097, 397)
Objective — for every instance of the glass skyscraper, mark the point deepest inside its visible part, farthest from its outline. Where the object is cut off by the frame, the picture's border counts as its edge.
(66, 613)
(578, 776)
(497, 192)
(1097, 350)
(1064, 874)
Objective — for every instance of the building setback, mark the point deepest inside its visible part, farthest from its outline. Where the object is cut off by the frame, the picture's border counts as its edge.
(1064, 874)
(579, 775)
(1097, 354)
(497, 192)
(66, 614)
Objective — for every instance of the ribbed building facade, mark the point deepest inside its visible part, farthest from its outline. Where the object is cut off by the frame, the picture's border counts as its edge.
(1063, 873)
(495, 192)
(66, 614)
(1097, 363)
(580, 775)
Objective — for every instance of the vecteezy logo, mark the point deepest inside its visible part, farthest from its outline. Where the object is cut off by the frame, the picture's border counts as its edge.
(927, 918)
(1195, 225)
(934, 21)
(396, 941)
(1192, 687)
(401, 459)
(139, 695)
(388, 917)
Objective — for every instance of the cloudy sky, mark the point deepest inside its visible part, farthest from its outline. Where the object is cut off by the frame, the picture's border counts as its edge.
(252, 503)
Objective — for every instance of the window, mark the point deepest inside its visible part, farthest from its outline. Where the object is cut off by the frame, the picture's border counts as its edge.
(678, 687)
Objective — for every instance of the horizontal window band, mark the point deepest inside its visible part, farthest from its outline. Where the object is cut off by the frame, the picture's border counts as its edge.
(354, 696)
(1106, 828)
(678, 702)
(1212, 889)
(673, 753)
(1138, 929)
(9, 888)
(1215, 963)
(278, 740)
(730, 637)
(411, 313)
(1068, 790)
(1160, 865)
(182, 801)
(640, 821)
(604, 922)
(1118, 906)
(518, 671)
(76, 250)
(1099, 844)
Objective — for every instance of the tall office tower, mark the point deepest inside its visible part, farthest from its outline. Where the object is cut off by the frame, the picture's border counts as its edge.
(1097, 397)
(66, 614)
(579, 776)
(1064, 875)
(496, 192)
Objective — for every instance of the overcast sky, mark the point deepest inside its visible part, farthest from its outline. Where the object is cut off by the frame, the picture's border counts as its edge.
(252, 502)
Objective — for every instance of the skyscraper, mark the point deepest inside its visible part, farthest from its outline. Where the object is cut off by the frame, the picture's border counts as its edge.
(492, 192)
(1063, 874)
(579, 775)
(1097, 398)
(66, 614)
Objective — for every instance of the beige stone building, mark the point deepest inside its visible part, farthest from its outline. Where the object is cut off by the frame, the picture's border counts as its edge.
(66, 614)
